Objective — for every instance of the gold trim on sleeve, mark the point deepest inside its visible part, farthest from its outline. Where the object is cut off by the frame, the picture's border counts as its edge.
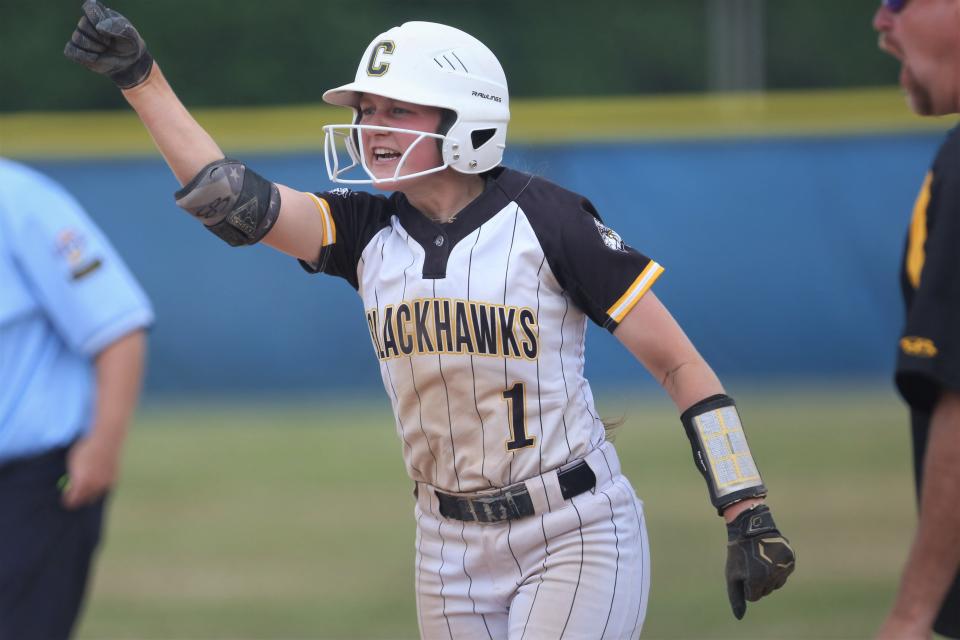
(329, 228)
(619, 310)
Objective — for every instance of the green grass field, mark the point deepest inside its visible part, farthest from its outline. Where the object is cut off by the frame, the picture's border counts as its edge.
(294, 521)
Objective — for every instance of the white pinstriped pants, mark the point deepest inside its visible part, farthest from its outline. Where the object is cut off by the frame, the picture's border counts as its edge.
(579, 568)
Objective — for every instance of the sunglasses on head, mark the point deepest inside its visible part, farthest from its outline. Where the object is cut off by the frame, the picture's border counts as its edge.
(895, 6)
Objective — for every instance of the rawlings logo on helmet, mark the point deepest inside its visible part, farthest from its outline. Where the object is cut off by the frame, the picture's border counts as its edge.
(486, 96)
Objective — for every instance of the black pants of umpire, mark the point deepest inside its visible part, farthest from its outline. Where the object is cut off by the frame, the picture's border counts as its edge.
(45, 550)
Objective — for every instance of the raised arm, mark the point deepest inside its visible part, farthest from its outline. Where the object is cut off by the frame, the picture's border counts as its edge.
(184, 144)
(759, 558)
(228, 197)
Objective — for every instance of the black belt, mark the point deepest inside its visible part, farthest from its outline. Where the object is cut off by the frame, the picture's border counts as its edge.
(53, 460)
(513, 502)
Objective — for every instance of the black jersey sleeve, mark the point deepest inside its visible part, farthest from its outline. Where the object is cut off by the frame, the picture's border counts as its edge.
(603, 275)
(350, 220)
(928, 360)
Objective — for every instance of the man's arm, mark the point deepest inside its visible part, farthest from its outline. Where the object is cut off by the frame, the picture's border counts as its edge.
(93, 463)
(935, 554)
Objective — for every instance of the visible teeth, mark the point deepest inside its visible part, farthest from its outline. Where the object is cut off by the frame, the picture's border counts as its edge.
(382, 153)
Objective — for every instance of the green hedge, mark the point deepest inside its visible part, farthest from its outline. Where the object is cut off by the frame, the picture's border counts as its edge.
(244, 52)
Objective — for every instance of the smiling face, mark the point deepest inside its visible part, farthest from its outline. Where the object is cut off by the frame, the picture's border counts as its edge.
(924, 35)
(383, 150)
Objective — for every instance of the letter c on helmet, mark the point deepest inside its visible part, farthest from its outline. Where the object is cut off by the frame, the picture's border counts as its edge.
(375, 68)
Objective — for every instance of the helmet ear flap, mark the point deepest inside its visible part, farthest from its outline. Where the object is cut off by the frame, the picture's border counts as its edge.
(475, 146)
(466, 158)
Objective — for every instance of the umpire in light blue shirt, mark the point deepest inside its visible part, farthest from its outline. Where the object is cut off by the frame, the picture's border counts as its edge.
(72, 348)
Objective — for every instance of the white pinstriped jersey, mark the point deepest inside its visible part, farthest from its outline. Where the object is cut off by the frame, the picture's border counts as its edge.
(479, 324)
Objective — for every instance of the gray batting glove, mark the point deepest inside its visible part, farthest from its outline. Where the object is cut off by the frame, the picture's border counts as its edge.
(108, 43)
(759, 558)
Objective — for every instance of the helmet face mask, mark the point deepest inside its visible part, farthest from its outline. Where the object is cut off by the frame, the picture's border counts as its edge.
(432, 65)
(345, 141)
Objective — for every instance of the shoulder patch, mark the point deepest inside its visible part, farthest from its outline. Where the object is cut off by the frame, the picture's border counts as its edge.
(919, 347)
(71, 246)
(610, 237)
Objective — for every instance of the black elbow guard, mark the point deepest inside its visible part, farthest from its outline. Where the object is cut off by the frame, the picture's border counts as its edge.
(232, 201)
(720, 451)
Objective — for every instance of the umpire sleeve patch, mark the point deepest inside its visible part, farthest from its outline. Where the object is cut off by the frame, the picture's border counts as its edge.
(72, 247)
(329, 228)
(619, 310)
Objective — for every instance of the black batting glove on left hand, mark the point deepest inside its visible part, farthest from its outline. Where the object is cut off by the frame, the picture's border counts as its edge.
(107, 43)
(759, 558)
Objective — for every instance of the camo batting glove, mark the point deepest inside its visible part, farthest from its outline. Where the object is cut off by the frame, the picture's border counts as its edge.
(759, 558)
(107, 43)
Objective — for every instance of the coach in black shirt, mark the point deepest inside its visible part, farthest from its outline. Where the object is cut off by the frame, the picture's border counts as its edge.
(925, 36)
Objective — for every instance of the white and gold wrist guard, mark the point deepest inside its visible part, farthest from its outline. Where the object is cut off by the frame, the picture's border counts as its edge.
(720, 451)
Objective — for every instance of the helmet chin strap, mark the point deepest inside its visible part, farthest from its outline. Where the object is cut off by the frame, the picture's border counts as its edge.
(351, 137)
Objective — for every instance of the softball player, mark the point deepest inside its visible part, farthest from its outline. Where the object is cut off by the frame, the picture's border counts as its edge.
(477, 282)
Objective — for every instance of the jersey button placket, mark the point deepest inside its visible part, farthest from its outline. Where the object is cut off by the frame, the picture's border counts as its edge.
(437, 255)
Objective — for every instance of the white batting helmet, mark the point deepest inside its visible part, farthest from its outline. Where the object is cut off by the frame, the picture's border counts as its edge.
(433, 65)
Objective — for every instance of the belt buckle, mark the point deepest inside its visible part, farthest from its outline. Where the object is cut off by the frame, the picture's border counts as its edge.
(498, 506)
(487, 503)
(471, 510)
(513, 510)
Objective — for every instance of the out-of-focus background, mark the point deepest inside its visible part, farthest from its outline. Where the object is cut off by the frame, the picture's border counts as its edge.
(759, 150)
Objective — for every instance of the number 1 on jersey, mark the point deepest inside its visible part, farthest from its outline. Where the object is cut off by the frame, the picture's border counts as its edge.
(516, 410)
